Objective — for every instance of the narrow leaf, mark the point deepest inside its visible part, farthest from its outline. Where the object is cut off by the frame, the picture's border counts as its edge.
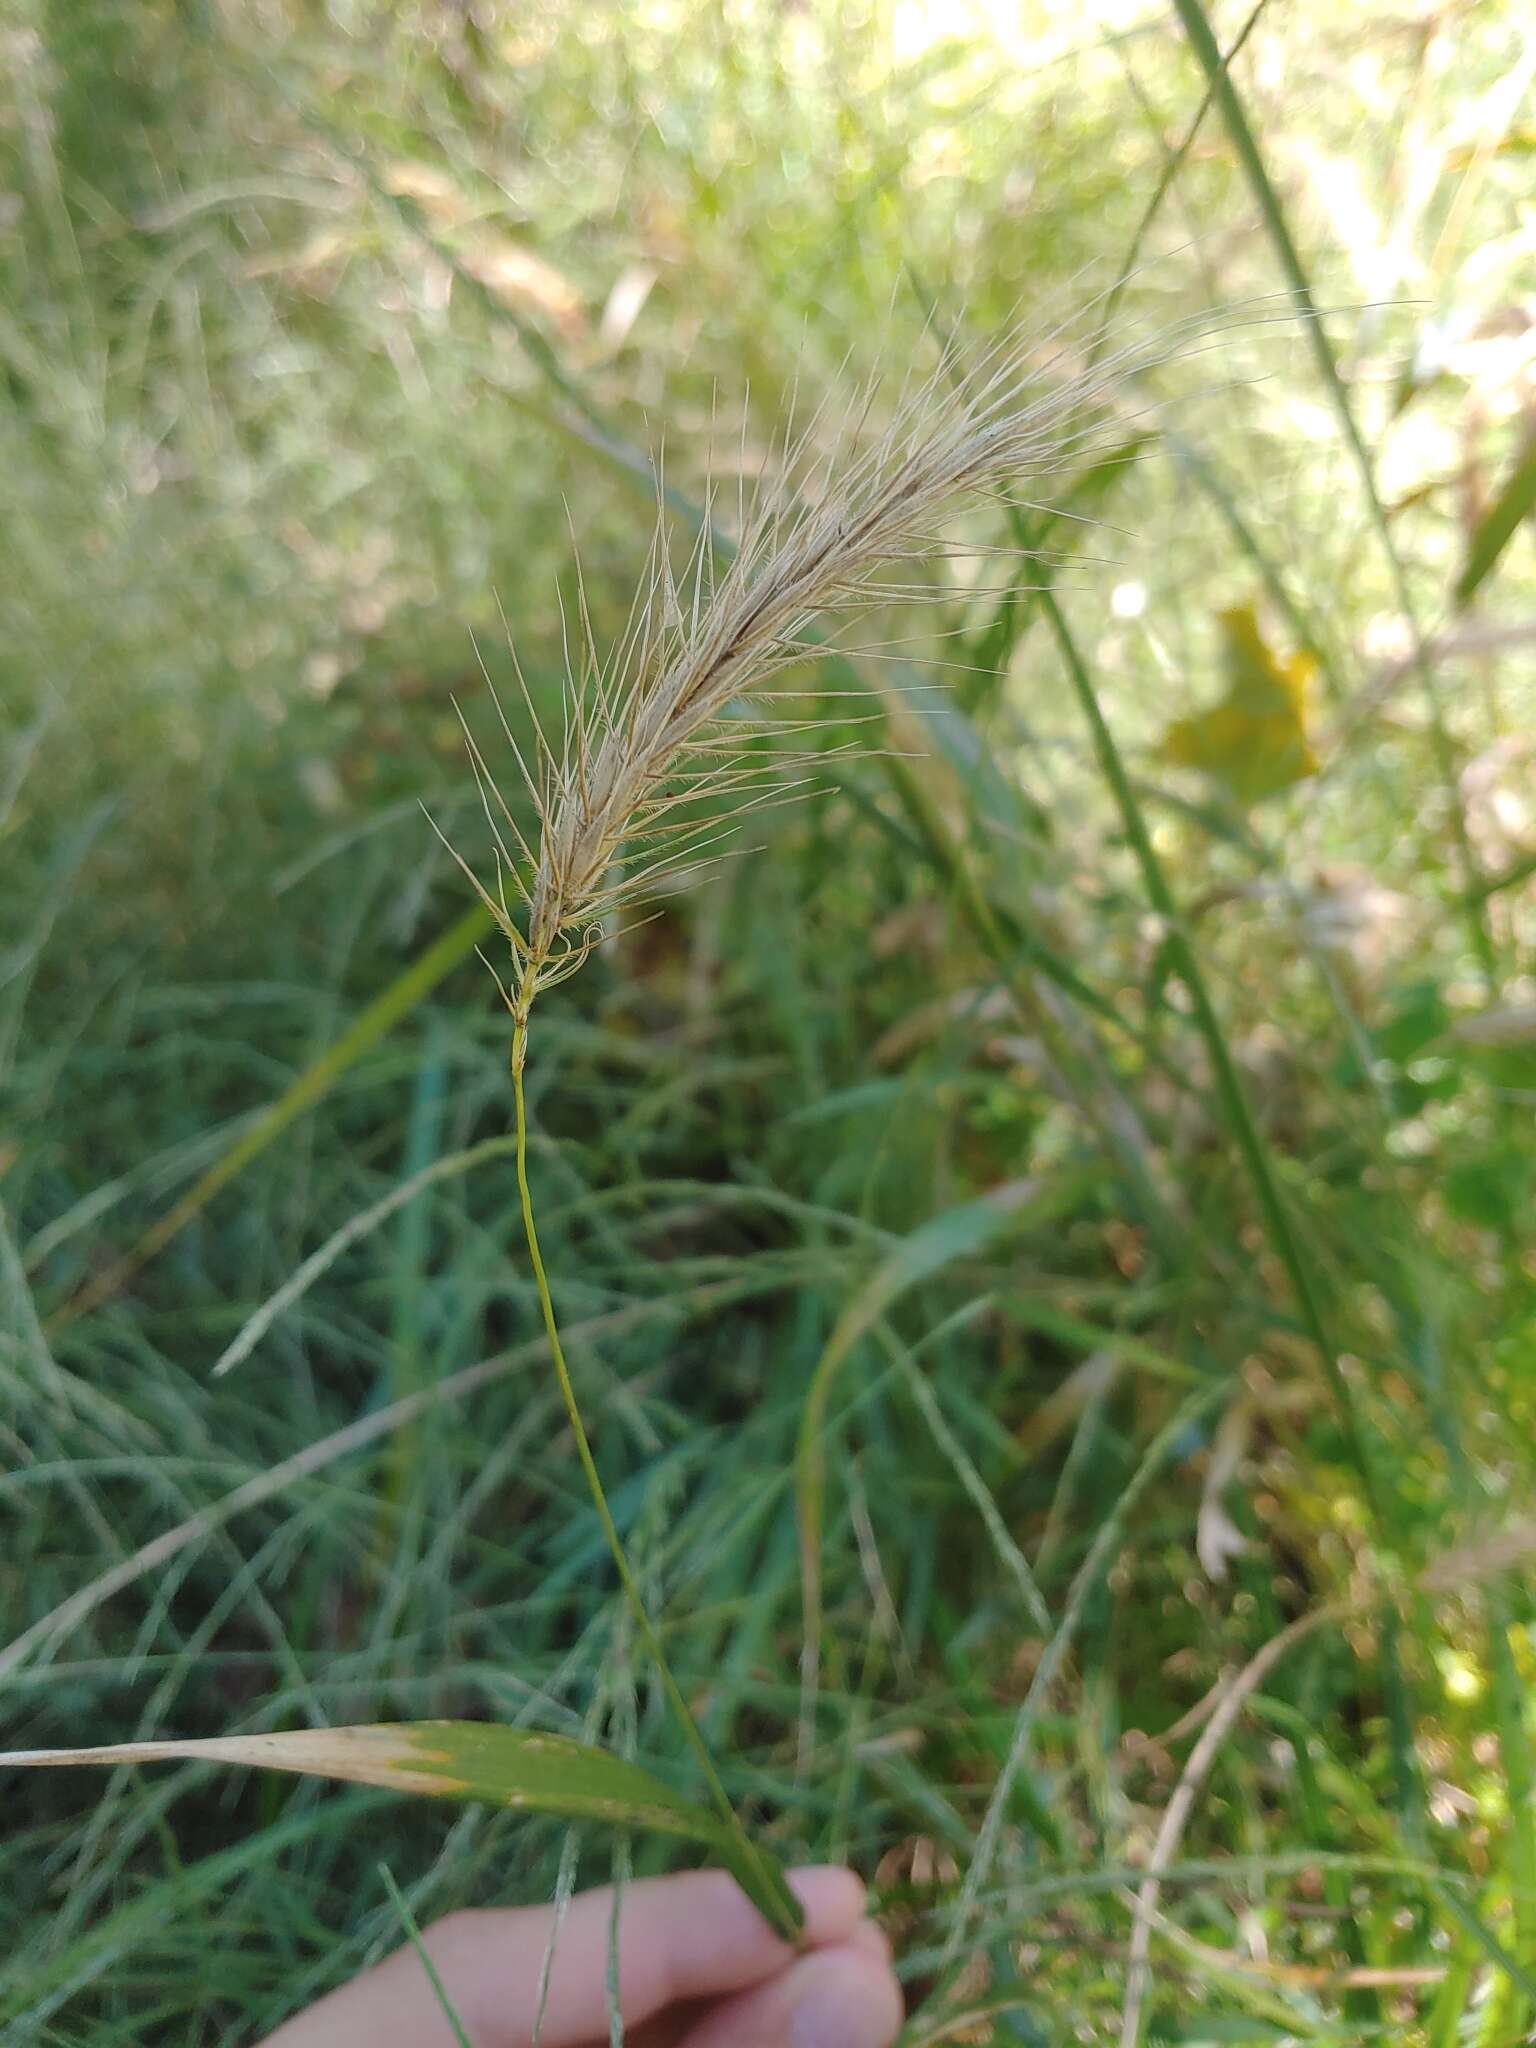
(1496, 529)
(1470, 1923)
(402, 1906)
(511, 1767)
(317, 1079)
(958, 1233)
(1197, 29)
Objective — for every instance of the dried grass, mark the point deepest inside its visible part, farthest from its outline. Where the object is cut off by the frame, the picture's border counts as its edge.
(656, 758)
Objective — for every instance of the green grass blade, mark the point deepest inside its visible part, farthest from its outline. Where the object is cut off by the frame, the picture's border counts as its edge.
(1060, 1323)
(515, 1768)
(1101, 1554)
(1514, 504)
(1197, 28)
(318, 1078)
(1519, 1775)
(758, 1874)
(1010, 1556)
(1009, 945)
(958, 1233)
(1447, 2016)
(1218, 74)
(29, 1984)
(1234, 1101)
(410, 1268)
(1474, 1925)
(353, 1231)
(402, 1906)
(1174, 160)
(991, 649)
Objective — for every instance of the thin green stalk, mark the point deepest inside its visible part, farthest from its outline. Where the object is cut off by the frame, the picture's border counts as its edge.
(1197, 28)
(1278, 1225)
(402, 1906)
(776, 1901)
(1014, 952)
(1090, 1574)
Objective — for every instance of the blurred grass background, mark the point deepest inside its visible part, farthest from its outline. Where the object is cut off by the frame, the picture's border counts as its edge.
(322, 331)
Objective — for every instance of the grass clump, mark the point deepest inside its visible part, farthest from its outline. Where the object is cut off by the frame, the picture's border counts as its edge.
(1172, 1642)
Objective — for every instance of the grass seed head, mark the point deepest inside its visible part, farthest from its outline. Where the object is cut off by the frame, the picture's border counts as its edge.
(656, 756)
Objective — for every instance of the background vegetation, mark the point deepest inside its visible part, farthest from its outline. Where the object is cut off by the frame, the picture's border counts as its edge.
(321, 332)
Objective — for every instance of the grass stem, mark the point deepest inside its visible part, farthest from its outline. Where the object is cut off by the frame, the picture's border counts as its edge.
(1278, 1225)
(774, 1897)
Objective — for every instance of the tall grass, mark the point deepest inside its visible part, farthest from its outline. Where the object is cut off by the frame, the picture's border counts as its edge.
(286, 409)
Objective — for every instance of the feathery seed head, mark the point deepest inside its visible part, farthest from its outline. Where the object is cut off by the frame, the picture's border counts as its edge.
(654, 760)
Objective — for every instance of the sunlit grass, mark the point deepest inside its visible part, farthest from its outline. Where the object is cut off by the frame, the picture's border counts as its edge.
(315, 349)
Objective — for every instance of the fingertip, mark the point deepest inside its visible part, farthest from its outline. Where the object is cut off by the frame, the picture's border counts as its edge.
(694, 1935)
(870, 1939)
(833, 1899)
(840, 1997)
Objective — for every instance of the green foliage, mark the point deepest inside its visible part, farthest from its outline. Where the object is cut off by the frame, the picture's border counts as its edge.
(920, 1163)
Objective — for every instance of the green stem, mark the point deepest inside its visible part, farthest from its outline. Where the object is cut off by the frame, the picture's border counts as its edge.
(1197, 29)
(1234, 1101)
(774, 1899)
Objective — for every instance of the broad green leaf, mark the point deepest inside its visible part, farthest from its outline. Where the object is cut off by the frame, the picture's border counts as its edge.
(1254, 742)
(477, 1760)
(1496, 529)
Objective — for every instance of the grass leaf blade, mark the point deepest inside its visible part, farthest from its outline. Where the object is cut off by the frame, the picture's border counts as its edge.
(316, 1081)
(957, 1233)
(524, 1770)
(1514, 504)
(1202, 40)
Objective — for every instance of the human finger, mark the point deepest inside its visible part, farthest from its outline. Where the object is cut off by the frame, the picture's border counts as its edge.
(844, 1996)
(691, 1935)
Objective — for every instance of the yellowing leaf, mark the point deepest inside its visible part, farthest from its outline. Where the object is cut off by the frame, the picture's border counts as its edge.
(510, 271)
(511, 1767)
(1254, 742)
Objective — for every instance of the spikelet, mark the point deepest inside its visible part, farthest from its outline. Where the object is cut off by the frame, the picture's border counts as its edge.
(664, 722)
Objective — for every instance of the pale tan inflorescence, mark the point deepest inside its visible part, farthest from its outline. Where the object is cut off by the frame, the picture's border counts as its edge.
(660, 725)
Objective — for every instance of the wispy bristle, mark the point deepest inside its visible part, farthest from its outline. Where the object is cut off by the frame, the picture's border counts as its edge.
(657, 726)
